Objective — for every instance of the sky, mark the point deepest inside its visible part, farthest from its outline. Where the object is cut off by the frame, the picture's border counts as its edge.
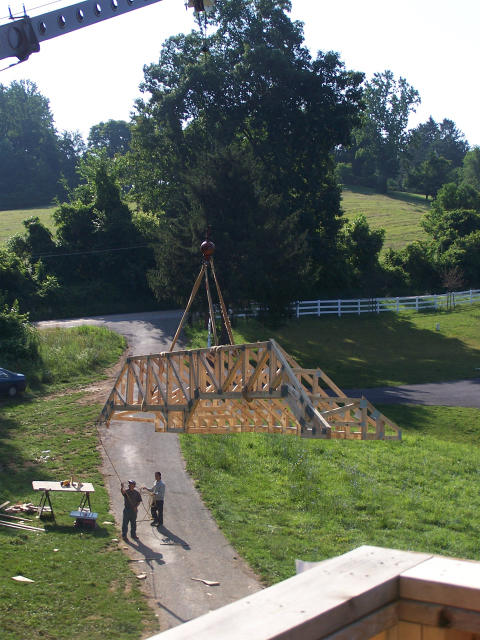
(93, 74)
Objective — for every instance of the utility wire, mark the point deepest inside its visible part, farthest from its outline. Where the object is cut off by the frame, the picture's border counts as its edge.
(81, 253)
(32, 9)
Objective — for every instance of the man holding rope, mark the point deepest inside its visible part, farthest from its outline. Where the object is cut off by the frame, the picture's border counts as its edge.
(158, 496)
(132, 499)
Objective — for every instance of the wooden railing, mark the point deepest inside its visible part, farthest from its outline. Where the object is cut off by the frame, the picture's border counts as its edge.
(370, 593)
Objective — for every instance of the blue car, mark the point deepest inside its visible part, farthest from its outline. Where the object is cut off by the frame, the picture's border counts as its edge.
(11, 383)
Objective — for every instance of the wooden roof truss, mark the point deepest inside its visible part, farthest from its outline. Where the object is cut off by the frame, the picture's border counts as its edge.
(234, 389)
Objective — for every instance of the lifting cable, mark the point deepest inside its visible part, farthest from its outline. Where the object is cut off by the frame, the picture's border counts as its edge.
(120, 480)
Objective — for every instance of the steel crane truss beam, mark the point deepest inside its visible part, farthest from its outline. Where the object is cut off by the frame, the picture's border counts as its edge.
(21, 37)
(234, 389)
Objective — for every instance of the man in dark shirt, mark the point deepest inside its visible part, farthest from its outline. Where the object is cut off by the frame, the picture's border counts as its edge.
(132, 499)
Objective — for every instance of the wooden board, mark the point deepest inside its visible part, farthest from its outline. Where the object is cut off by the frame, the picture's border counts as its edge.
(312, 605)
(48, 485)
(444, 581)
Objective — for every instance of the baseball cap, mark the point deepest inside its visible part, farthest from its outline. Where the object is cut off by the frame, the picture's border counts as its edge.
(132, 482)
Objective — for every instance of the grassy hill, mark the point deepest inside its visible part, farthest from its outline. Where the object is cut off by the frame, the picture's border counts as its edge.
(11, 221)
(398, 213)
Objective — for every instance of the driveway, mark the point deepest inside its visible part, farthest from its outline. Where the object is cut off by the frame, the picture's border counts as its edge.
(458, 393)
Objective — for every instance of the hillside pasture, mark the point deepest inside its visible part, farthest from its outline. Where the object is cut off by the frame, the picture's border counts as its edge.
(396, 212)
(11, 220)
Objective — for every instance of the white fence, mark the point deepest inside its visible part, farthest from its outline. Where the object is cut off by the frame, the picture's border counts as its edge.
(376, 305)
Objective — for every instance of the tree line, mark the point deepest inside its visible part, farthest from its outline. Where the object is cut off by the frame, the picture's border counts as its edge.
(246, 132)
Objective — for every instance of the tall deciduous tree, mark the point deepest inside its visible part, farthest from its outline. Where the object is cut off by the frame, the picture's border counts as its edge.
(444, 139)
(430, 175)
(33, 156)
(255, 95)
(471, 168)
(29, 157)
(379, 143)
(113, 136)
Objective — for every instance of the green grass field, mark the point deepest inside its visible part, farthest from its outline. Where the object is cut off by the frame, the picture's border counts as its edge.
(279, 498)
(11, 221)
(398, 213)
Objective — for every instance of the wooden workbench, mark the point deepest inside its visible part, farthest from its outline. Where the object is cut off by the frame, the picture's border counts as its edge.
(84, 488)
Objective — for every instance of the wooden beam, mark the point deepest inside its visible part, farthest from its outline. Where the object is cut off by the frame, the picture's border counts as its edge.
(444, 581)
(312, 605)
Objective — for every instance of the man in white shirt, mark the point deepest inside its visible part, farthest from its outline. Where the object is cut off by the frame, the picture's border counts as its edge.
(158, 491)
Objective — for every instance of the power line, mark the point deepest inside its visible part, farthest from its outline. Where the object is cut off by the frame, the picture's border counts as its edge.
(32, 9)
(80, 253)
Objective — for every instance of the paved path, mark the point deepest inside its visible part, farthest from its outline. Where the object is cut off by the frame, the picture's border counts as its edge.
(460, 393)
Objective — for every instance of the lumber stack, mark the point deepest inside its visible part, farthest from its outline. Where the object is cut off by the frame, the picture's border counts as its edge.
(235, 389)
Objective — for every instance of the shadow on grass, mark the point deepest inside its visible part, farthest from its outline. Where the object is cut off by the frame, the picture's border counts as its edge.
(17, 470)
(414, 198)
(450, 424)
(65, 529)
(372, 350)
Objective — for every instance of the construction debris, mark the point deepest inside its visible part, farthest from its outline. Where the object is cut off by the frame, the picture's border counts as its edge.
(209, 583)
(28, 507)
(22, 579)
(21, 527)
(5, 515)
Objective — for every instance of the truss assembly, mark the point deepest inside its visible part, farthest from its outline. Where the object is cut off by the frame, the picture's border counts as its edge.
(235, 389)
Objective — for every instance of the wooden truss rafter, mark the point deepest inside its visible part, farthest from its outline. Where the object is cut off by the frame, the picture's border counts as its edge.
(233, 389)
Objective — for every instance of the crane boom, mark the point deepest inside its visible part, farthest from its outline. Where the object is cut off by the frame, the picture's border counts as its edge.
(22, 37)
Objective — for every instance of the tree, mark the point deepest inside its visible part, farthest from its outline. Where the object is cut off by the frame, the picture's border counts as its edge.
(379, 143)
(18, 339)
(72, 148)
(430, 176)
(453, 223)
(113, 136)
(362, 247)
(29, 155)
(471, 168)
(416, 266)
(444, 139)
(37, 240)
(257, 96)
(97, 229)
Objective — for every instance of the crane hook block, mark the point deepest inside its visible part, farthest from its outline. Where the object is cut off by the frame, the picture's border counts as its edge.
(207, 247)
(201, 6)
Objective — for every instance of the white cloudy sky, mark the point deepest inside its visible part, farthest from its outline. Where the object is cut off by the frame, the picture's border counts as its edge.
(93, 74)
